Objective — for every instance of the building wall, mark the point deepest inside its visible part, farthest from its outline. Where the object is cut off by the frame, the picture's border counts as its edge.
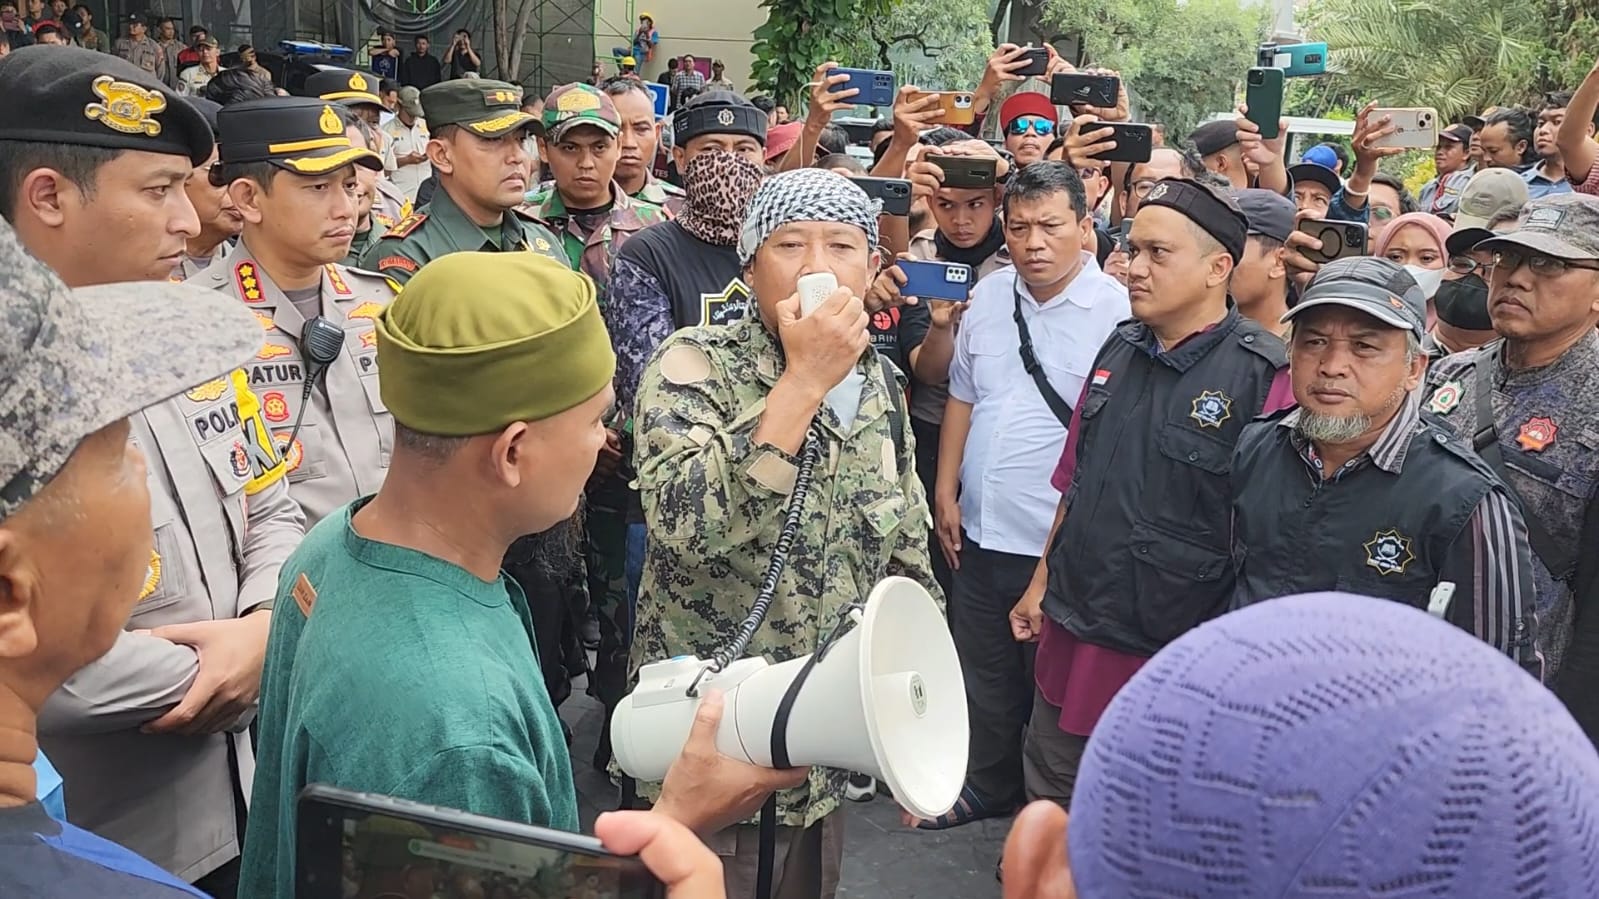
(720, 29)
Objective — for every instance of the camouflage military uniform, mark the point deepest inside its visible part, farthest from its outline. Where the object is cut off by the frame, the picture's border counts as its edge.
(714, 500)
(664, 194)
(593, 251)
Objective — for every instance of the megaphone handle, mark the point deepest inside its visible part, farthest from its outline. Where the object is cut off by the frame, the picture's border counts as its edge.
(768, 849)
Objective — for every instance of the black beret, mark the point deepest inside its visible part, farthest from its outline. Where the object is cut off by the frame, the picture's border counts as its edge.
(69, 95)
(717, 112)
(1215, 213)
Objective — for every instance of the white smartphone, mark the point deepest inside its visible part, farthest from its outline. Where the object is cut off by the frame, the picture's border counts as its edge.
(1418, 127)
(814, 289)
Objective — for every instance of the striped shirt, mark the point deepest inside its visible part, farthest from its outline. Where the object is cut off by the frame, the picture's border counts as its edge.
(1490, 562)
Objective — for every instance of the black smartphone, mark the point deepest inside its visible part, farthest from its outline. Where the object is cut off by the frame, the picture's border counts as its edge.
(1339, 240)
(1037, 59)
(966, 172)
(894, 192)
(382, 839)
(1134, 142)
(1077, 89)
(1122, 231)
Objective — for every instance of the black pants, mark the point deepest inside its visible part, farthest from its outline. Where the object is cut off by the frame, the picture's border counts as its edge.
(927, 471)
(998, 671)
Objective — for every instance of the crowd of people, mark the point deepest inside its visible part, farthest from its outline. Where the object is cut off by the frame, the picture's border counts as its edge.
(345, 432)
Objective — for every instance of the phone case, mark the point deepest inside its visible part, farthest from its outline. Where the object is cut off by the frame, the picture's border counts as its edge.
(876, 87)
(1339, 240)
(894, 192)
(1418, 127)
(1303, 60)
(1263, 93)
(957, 107)
(1073, 88)
(1037, 62)
(936, 280)
(1134, 142)
(966, 172)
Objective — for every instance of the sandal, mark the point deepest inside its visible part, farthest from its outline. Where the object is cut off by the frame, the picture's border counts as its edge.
(968, 809)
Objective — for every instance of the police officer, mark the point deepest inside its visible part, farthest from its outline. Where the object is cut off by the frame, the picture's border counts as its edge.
(290, 168)
(687, 273)
(150, 735)
(1357, 490)
(358, 92)
(476, 129)
(1139, 553)
(1529, 404)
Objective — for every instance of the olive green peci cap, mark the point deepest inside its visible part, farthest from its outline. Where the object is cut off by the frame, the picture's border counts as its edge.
(489, 109)
(468, 324)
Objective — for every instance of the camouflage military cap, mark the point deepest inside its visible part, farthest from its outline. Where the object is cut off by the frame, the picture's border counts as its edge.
(489, 109)
(74, 361)
(571, 105)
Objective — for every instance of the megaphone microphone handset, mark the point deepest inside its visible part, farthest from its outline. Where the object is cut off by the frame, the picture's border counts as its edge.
(320, 343)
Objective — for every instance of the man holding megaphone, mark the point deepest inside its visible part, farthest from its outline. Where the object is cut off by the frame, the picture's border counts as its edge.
(733, 422)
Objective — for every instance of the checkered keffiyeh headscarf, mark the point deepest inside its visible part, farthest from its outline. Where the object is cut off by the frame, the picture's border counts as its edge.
(806, 195)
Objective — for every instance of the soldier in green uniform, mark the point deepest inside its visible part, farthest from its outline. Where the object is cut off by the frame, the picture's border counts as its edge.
(726, 413)
(477, 128)
(640, 139)
(594, 218)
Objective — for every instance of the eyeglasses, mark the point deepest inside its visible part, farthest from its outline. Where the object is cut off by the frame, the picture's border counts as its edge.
(1088, 173)
(1040, 127)
(1142, 187)
(1465, 265)
(1541, 265)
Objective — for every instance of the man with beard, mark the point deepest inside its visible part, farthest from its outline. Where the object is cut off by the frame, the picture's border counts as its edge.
(726, 416)
(475, 146)
(299, 213)
(403, 662)
(686, 273)
(1357, 490)
(640, 140)
(151, 734)
(1139, 551)
(1530, 406)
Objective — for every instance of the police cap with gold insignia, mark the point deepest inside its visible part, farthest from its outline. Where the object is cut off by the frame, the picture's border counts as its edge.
(490, 109)
(74, 361)
(301, 134)
(717, 112)
(469, 323)
(344, 85)
(69, 95)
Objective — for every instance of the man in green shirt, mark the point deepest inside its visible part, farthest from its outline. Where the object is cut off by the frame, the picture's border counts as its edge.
(476, 132)
(402, 660)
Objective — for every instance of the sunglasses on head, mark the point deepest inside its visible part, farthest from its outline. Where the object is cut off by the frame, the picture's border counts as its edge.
(1040, 127)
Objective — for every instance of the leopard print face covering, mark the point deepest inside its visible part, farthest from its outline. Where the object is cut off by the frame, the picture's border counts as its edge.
(720, 186)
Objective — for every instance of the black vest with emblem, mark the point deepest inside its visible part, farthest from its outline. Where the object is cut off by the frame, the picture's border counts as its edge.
(1144, 552)
(704, 281)
(1372, 533)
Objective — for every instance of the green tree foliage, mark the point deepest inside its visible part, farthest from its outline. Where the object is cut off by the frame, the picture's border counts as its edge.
(1183, 62)
(800, 35)
(1458, 56)
(934, 44)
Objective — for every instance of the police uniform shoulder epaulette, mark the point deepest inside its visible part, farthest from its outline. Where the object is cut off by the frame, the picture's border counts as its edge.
(406, 226)
(1254, 337)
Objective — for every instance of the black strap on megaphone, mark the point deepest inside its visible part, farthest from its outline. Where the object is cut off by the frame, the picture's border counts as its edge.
(320, 343)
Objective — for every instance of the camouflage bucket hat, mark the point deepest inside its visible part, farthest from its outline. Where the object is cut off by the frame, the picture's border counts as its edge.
(74, 361)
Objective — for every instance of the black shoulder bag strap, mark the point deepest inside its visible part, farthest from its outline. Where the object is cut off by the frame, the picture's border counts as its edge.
(1060, 407)
(1486, 442)
(896, 399)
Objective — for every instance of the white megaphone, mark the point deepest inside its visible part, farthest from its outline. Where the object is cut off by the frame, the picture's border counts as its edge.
(887, 699)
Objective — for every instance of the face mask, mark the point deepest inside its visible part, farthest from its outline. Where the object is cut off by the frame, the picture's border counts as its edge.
(1426, 278)
(1464, 303)
(719, 187)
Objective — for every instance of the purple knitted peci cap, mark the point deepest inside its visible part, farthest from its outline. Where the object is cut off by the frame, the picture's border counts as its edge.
(1330, 745)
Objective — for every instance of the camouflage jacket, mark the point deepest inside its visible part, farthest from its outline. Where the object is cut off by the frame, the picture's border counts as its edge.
(714, 501)
(441, 228)
(593, 253)
(664, 194)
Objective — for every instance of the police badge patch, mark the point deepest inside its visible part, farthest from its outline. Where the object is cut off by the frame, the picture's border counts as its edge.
(1389, 552)
(1444, 398)
(1211, 408)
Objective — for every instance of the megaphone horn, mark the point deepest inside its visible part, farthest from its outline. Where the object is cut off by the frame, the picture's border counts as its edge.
(887, 699)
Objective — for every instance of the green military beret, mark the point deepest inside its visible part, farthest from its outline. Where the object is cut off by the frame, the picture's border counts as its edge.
(476, 341)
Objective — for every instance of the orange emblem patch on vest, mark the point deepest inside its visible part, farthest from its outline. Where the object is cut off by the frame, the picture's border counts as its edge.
(339, 287)
(275, 407)
(369, 339)
(272, 351)
(399, 262)
(265, 321)
(1537, 434)
(249, 284)
(367, 310)
(292, 455)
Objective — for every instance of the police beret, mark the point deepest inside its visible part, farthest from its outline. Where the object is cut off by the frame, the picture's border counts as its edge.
(470, 323)
(69, 95)
(717, 112)
(1215, 213)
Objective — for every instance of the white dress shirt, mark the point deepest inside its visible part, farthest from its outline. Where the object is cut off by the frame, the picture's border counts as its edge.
(1015, 440)
(404, 141)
